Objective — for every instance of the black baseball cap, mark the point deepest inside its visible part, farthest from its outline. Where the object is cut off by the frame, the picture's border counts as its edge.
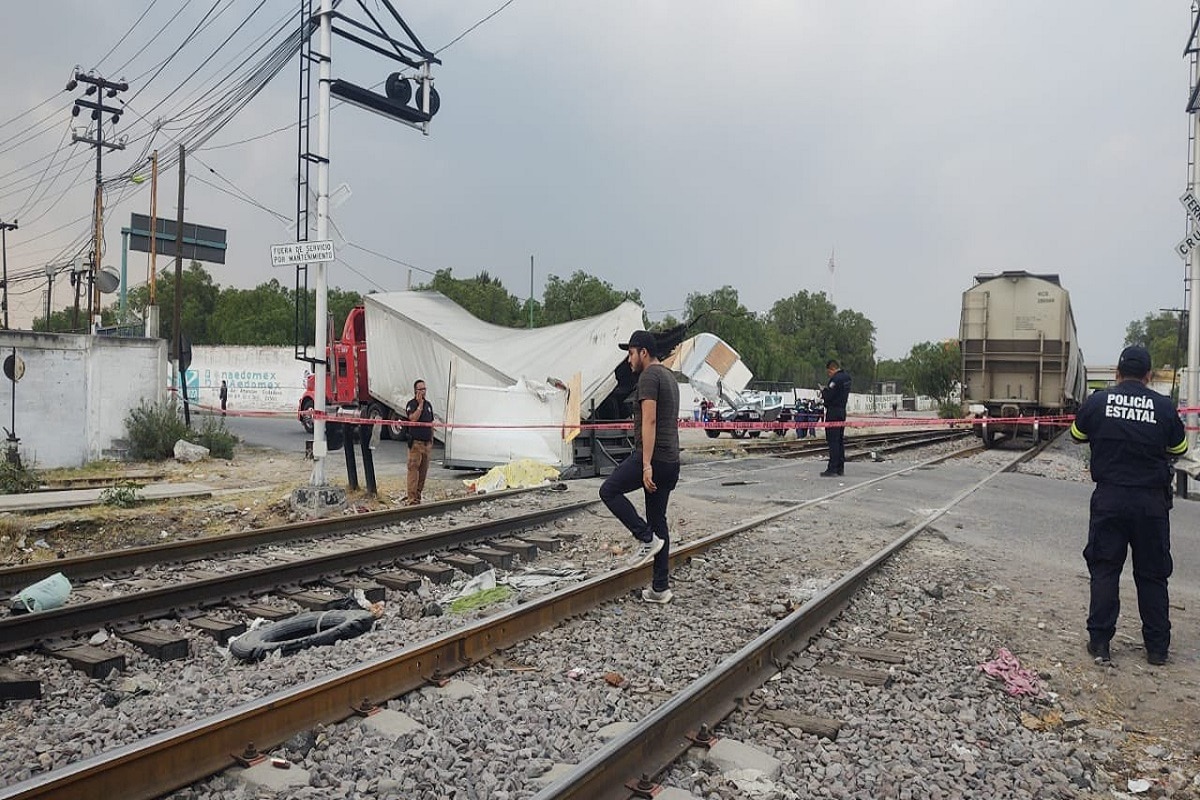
(1134, 361)
(644, 339)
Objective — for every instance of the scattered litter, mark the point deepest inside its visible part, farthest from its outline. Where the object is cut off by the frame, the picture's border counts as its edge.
(542, 576)
(519, 474)
(1139, 785)
(99, 637)
(1050, 720)
(281, 763)
(360, 597)
(50, 592)
(576, 673)
(1017, 680)
(486, 597)
(614, 678)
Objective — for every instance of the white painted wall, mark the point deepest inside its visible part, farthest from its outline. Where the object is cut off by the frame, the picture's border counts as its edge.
(77, 390)
(259, 378)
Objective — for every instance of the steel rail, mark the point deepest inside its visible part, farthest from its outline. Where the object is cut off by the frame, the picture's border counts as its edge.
(97, 564)
(623, 768)
(172, 759)
(26, 630)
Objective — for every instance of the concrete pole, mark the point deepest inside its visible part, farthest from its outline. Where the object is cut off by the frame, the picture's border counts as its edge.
(320, 448)
(1193, 264)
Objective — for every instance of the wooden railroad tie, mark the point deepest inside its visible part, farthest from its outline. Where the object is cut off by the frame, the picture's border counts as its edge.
(868, 677)
(817, 726)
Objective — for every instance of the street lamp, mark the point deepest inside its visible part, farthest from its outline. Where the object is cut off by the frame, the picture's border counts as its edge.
(51, 272)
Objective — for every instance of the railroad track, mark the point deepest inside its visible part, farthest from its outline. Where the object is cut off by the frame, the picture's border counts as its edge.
(175, 758)
(857, 446)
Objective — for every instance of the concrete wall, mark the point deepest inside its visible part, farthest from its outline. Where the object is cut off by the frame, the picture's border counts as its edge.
(77, 390)
(259, 378)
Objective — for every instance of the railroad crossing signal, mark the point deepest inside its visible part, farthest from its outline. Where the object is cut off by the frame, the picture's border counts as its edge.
(1192, 205)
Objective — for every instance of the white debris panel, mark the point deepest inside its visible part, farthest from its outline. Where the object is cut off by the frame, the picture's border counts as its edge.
(427, 336)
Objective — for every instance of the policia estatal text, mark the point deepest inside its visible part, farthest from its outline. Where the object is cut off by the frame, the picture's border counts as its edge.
(1134, 433)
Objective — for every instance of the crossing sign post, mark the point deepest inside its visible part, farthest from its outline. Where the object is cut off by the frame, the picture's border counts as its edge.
(1192, 205)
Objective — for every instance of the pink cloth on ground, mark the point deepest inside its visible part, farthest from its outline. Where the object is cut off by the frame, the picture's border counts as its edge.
(1017, 680)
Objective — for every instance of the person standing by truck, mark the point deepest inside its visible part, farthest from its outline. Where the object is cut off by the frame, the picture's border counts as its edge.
(420, 441)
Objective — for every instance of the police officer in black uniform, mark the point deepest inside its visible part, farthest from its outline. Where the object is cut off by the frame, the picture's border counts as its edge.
(1134, 433)
(835, 394)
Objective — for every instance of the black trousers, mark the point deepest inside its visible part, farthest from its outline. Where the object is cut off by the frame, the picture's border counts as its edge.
(835, 437)
(1125, 518)
(626, 478)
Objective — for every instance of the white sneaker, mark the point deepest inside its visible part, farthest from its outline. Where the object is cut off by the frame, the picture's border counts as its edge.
(651, 596)
(645, 552)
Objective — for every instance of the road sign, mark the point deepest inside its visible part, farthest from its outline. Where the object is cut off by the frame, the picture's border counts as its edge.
(1192, 205)
(301, 253)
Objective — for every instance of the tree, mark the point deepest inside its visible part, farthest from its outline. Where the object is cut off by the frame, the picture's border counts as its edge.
(935, 368)
(199, 295)
(483, 296)
(581, 296)
(264, 315)
(1162, 335)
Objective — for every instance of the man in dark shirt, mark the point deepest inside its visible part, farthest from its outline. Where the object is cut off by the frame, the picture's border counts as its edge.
(653, 465)
(420, 441)
(1134, 433)
(835, 394)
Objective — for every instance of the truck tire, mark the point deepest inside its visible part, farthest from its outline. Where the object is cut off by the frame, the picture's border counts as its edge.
(395, 431)
(712, 433)
(307, 405)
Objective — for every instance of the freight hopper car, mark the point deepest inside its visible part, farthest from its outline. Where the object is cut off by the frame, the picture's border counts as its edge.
(1021, 357)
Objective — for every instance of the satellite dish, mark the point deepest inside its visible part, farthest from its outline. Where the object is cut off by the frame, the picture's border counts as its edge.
(108, 280)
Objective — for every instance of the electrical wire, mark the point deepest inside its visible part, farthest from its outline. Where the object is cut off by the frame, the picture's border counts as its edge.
(473, 27)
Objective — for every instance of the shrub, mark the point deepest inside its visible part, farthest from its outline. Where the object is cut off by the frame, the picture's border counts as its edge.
(153, 429)
(215, 436)
(948, 409)
(17, 478)
(123, 495)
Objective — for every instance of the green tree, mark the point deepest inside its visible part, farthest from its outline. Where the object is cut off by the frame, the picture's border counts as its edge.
(581, 296)
(483, 296)
(935, 368)
(1163, 335)
(264, 315)
(810, 330)
(199, 295)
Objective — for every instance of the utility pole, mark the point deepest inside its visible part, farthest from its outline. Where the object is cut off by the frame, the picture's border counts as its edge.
(5, 227)
(101, 88)
(153, 222)
(177, 331)
(531, 292)
(321, 339)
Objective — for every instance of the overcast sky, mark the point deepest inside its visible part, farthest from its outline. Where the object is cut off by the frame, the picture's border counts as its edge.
(672, 147)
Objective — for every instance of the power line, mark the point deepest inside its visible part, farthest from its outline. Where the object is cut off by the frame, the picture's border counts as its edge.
(473, 27)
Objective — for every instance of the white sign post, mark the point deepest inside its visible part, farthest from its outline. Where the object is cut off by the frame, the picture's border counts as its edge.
(283, 255)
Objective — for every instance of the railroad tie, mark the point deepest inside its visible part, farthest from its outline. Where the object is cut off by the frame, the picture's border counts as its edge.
(398, 581)
(16, 686)
(469, 564)
(219, 629)
(159, 644)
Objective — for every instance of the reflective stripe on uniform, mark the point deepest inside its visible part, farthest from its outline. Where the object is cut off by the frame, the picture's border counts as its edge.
(1080, 436)
(1178, 449)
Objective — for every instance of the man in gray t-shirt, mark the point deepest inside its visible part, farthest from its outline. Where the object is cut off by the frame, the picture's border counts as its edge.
(653, 465)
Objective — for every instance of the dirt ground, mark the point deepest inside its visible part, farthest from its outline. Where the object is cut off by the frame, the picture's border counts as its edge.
(251, 490)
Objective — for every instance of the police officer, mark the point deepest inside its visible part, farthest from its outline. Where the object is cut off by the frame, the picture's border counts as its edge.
(835, 394)
(1134, 433)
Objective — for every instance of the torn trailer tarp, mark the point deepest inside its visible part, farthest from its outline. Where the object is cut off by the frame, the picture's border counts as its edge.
(503, 393)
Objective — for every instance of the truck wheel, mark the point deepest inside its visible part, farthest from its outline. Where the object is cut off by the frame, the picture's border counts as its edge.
(306, 405)
(376, 412)
(738, 433)
(394, 431)
(712, 433)
(755, 434)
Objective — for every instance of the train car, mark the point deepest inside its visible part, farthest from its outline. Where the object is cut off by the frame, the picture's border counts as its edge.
(1021, 356)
